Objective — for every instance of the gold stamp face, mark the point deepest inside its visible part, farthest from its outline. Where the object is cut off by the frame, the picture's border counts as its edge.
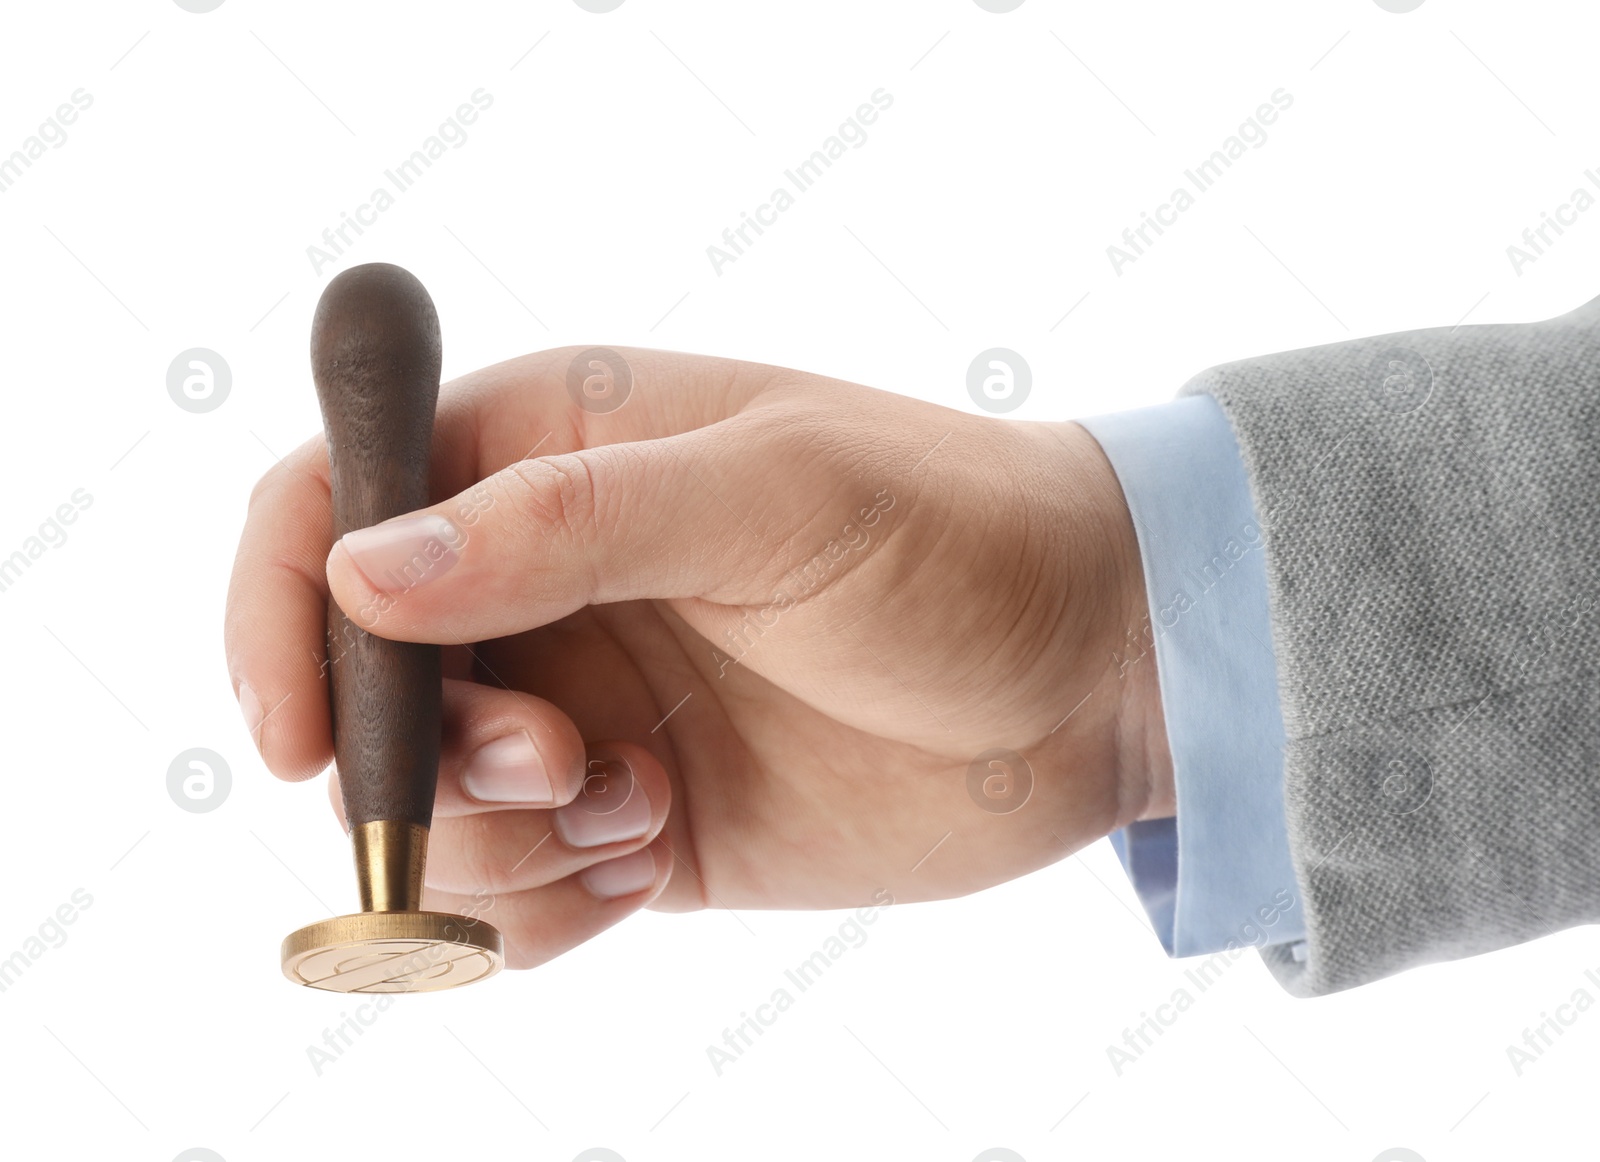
(392, 952)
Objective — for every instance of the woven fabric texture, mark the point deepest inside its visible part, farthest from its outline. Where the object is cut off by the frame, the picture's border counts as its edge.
(1431, 507)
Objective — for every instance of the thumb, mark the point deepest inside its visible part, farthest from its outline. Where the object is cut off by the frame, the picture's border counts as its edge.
(542, 538)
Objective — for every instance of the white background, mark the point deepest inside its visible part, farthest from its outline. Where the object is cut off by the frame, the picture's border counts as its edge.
(977, 214)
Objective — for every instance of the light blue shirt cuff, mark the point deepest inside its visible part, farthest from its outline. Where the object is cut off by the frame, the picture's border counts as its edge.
(1220, 875)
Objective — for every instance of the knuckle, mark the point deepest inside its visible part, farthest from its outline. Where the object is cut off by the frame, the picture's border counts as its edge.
(291, 478)
(556, 495)
(271, 481)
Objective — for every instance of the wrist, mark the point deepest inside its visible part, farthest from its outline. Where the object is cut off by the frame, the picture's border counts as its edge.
(1119, 642)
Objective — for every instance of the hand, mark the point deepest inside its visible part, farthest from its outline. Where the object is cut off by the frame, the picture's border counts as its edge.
(732, 644)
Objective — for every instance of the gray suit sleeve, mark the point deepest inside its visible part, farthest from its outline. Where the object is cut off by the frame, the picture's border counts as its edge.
(1431, 507)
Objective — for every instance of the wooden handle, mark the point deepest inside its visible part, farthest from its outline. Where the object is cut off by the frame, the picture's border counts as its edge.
(375, 356)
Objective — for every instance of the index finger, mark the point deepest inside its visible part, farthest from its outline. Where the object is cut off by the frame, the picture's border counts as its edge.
(276, 621)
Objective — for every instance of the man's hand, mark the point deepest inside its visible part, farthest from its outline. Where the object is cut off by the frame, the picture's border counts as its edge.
(733, 644)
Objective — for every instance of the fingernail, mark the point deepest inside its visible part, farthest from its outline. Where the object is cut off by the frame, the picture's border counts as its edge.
(611, 807)
(621, 876)
(401, 554)
(250, 707)
(508, 770)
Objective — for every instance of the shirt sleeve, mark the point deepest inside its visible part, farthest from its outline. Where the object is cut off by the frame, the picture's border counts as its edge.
(1219, 875)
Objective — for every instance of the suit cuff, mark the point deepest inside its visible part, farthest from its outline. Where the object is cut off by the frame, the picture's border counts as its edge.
(1219, 876)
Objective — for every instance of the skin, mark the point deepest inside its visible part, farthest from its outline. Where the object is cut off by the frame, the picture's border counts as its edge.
(978, 581)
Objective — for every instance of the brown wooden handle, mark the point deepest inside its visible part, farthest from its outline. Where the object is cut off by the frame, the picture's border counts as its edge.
(375, 356)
